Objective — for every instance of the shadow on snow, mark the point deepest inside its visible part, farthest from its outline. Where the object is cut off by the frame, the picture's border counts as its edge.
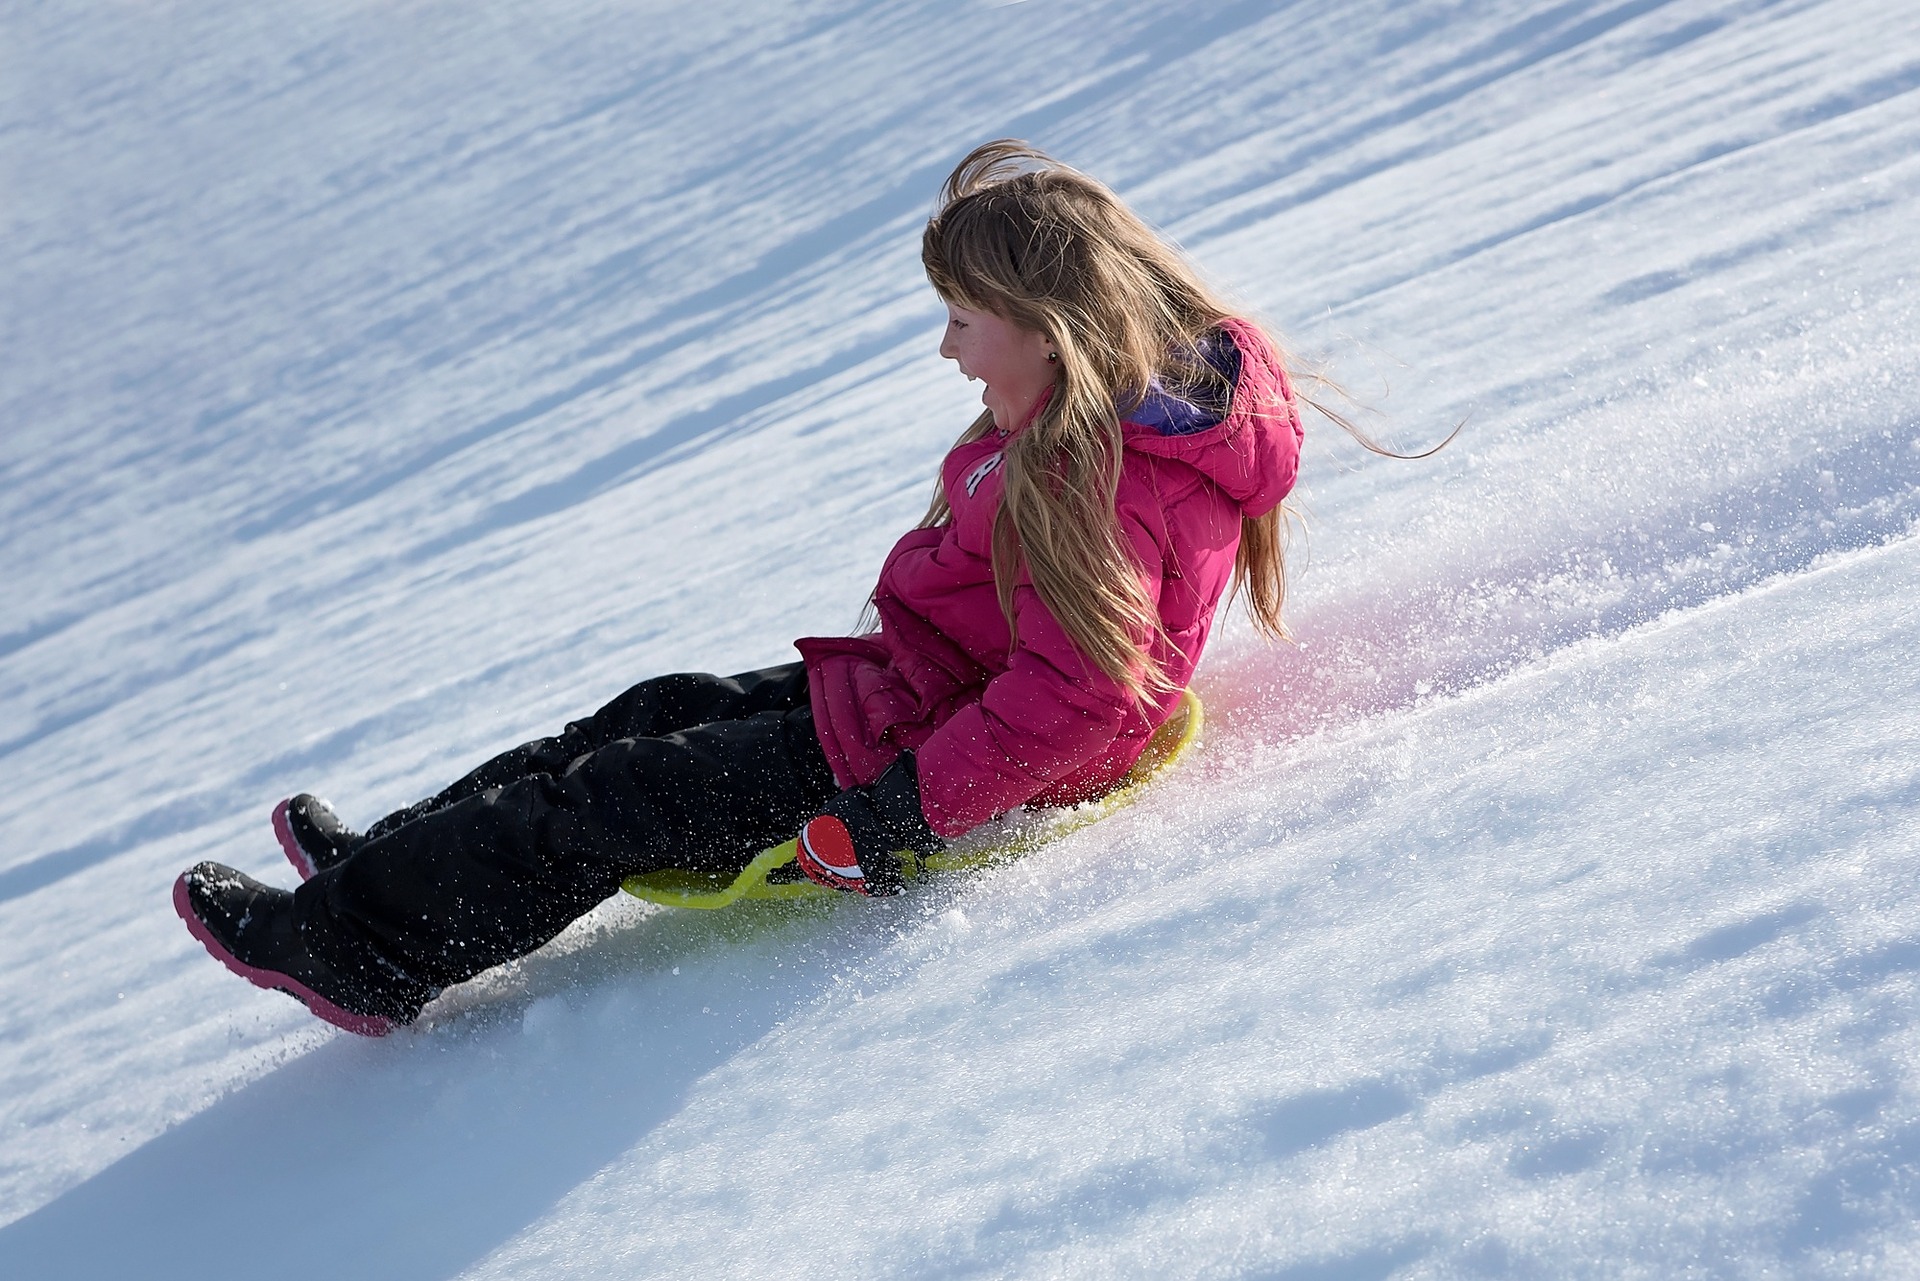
(419, 1155)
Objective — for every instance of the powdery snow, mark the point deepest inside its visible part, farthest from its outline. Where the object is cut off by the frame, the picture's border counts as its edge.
(388, 383)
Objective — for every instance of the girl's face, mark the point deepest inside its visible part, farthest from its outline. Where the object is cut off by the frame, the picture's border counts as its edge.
(1010, 360)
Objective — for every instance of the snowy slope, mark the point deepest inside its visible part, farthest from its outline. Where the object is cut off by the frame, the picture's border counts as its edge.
(387, 383)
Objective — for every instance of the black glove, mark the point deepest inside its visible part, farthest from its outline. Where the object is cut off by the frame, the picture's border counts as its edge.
(856, 842)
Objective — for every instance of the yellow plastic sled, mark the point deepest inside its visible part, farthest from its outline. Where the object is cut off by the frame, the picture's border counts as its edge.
(774, 874)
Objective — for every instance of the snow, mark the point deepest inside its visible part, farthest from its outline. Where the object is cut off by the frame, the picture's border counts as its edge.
(385, 384)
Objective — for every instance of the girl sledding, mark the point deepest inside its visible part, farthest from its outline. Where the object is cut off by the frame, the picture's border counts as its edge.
(1030, 637)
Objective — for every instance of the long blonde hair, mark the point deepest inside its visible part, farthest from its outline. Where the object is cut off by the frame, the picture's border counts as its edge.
(1052, 250)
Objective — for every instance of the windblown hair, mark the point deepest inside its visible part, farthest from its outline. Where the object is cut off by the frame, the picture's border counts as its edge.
(1052, 250)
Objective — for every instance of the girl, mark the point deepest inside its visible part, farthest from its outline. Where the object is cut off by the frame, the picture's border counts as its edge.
(1032, 633)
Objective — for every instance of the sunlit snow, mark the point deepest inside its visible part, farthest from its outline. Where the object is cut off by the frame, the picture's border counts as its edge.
(386, 383)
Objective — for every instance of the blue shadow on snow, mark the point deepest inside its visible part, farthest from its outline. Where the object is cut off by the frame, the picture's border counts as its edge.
(418, 1156)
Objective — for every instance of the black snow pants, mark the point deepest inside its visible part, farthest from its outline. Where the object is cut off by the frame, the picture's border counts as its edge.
(687, 771)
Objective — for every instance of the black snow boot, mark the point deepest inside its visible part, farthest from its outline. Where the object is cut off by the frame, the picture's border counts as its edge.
(312, 835)
(250, 929)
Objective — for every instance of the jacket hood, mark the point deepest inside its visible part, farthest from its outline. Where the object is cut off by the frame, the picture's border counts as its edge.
(1248, 446)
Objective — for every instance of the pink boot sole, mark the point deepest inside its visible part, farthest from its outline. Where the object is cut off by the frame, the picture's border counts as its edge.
(283, 832)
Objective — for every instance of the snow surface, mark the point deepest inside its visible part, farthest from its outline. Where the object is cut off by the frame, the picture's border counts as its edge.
(385, 383)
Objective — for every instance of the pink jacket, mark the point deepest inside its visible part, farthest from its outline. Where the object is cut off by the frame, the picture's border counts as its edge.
(1000, 717)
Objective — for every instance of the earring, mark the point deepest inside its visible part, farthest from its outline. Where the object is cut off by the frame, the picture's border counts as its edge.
(1053, 358)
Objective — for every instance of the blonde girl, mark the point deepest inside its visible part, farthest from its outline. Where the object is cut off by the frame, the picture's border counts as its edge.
(1124, 478)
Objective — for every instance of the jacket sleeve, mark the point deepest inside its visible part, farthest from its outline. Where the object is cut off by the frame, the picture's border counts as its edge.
(1048, 714)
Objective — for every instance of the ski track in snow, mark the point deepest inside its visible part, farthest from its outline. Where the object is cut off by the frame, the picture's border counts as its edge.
(386, 384)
